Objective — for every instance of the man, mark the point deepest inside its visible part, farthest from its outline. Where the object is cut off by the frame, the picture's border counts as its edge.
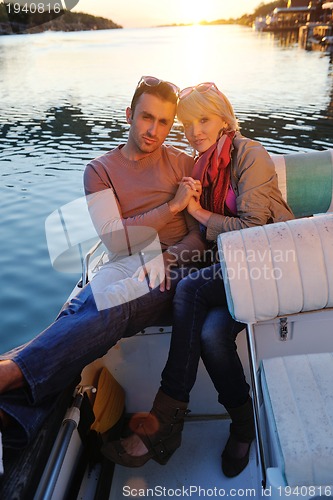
(142, 179)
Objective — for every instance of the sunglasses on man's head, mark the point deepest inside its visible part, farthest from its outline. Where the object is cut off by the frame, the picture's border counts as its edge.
(152, 81)
(201, 87)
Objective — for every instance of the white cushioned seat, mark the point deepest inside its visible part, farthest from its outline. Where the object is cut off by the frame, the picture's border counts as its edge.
(278, 269)
(297, 391)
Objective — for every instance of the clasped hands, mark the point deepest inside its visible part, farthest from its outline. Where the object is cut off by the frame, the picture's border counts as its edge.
(158, 270)
(187, 196)
(195, 191)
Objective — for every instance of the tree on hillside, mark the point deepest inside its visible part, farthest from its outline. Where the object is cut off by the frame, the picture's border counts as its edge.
(3, 13)
(264, 9)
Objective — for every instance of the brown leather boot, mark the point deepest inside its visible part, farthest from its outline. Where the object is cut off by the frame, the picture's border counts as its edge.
(235, 456)
(160, 430)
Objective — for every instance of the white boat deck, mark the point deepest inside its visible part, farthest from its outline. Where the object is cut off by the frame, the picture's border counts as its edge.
(194, 470)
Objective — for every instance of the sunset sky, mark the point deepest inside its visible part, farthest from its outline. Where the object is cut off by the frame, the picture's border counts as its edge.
(141, 13)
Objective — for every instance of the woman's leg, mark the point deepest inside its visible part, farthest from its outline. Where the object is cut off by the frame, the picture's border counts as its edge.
(203, 326)
(195, 296)
(220, 357)
(219, 354)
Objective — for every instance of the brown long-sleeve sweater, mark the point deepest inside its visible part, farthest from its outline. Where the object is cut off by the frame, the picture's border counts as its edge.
(135, 195)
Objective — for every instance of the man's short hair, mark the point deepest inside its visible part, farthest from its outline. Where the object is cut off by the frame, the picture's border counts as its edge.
(163, 90)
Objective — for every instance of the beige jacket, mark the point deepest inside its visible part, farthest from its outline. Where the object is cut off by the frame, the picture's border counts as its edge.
(254, 180)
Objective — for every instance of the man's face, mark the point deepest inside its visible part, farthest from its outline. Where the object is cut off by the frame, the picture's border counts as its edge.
(150, 124)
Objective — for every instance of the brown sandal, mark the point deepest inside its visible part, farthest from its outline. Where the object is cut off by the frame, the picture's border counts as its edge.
(160, 431)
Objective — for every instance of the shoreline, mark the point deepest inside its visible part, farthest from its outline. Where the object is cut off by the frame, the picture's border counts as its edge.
(67, 21)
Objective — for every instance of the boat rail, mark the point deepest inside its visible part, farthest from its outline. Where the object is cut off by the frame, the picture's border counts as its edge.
(56, 460)
(86, 262)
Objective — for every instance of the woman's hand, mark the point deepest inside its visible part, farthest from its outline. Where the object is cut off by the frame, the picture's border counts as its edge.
(186, 190)
(194, 203)
(193, 206)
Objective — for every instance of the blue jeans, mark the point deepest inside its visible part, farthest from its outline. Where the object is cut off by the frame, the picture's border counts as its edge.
(79, 335)
(203, 327)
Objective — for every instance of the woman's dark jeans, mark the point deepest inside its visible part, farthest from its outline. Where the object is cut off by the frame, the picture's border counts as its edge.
(203, 327)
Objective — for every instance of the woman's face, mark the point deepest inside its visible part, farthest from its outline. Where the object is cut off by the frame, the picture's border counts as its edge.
(203, 131)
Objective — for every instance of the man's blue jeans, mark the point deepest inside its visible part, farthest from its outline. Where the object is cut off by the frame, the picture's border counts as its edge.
(203, 327)
(79, 335)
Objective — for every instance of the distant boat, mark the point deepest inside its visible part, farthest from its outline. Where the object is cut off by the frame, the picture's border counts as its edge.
(259, 24)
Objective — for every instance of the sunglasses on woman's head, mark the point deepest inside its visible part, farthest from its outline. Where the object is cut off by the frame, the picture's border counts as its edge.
(201, 87)
(152, 81)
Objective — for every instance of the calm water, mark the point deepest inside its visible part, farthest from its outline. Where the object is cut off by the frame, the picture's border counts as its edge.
(63, 97)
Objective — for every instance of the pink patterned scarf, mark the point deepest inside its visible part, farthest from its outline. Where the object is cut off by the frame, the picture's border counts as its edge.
(212, 168)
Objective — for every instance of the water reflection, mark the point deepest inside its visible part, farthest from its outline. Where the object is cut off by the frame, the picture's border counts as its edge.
(64, 128)
(274, 86)
(63, 101)
(68, 131)
(285, 38)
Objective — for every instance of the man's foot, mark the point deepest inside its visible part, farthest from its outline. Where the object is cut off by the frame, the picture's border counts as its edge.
(11, 376)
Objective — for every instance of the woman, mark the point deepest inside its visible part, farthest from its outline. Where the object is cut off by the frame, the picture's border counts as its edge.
(236, 187)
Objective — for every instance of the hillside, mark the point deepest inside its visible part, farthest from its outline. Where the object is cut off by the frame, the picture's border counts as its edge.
(263, 9)
(64, 21)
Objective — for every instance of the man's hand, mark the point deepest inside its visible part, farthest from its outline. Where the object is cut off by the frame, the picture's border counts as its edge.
(170, 260)
(195, 185)
(183, 195)
(194, 203)
(157, 271)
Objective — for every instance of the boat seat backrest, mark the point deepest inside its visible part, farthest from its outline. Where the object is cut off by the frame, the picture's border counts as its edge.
(306, 181)
(278, 269)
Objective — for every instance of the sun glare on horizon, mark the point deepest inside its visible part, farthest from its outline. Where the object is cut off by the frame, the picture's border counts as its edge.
(191, 11)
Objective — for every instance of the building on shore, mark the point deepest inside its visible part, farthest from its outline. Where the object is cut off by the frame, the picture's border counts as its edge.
(297, 13)
(327, 12)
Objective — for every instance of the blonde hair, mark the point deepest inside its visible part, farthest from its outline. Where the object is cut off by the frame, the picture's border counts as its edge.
(211, 101)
